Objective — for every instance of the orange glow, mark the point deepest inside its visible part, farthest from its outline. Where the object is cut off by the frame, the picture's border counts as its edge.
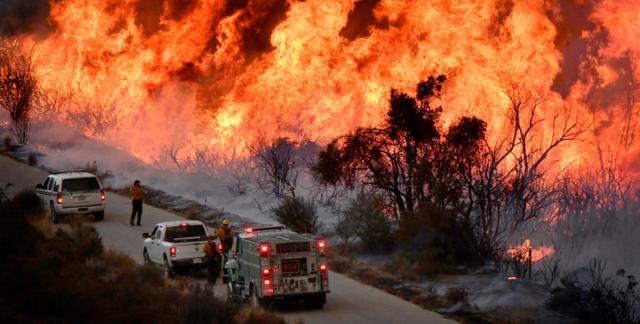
(537, 253)
(152, 74)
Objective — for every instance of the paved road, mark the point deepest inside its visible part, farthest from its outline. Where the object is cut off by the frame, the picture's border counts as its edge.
(348, 302)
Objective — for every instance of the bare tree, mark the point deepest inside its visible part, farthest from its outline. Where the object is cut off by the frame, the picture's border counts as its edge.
(530, 194)
(51, 102)
(96, 118)
(508, 187)
(275, 164)
(18, 86)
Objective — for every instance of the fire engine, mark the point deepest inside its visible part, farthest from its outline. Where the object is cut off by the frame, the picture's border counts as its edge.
(272, 263)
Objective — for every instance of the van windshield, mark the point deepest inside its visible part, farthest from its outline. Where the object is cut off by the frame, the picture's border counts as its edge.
(81, 184)
(189, 233)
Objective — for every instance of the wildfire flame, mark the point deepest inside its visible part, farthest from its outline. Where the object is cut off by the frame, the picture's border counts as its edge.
(217, 74)
(537, 253)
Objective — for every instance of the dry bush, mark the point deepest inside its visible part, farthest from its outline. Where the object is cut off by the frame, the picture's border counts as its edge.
(274, 163)
(118, 260)
(18, 86)
(365, 219)
(257, 315)
(593, 297)
(298, 214)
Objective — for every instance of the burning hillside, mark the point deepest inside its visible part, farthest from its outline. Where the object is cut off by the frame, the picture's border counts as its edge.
(211, 74)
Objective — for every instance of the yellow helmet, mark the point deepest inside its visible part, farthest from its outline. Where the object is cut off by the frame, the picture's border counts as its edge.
(225, 221)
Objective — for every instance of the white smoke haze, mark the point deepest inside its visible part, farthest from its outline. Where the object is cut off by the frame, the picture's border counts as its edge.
(215, 185)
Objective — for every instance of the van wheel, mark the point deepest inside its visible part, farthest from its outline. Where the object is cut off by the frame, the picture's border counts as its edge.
(168, 271)
(55, 218)
(99, 216)
(145, 257)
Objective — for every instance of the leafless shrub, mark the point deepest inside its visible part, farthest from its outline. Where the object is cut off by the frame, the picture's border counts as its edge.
(95, 118)
(593, 205)
(510, 185)
(274, 163)
(549, 271)
(240, 179)
(52, 103)
(18, 86)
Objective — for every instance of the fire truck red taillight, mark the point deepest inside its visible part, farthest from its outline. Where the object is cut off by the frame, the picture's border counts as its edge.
(172, 251)
(219, 247)
(324, 276)
(264, 249)
(59, 198)
(102, 196)
(266, 276)
(321, 245)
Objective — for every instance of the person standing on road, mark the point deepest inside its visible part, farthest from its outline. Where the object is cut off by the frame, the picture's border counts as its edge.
(213, 259)
(137, 194)
(226, 234)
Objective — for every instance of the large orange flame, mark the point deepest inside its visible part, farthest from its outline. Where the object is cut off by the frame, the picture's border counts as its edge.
(216, 74)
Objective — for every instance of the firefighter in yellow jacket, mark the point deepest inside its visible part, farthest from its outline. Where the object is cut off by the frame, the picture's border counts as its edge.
(137, 194)
(226, 234)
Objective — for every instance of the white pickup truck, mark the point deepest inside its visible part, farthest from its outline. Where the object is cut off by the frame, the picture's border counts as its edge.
(176, 245)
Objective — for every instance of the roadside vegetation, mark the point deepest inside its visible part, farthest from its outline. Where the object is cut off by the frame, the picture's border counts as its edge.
(66, 275)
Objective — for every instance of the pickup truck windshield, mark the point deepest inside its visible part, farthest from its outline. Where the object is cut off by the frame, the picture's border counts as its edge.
(185, 234)
(81, 184)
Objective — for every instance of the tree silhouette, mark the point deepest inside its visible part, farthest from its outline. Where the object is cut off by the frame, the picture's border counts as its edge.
(409, 157)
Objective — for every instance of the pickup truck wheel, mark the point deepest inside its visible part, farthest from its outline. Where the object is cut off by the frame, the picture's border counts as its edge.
(145, 257)
(168, 271)
(55, 218)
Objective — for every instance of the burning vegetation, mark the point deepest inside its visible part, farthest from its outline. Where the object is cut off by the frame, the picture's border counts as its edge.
(214, 75)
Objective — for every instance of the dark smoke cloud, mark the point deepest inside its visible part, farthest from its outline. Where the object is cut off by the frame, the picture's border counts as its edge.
(571, 19)
(148, 14)
(503, 10)
(262, 16)
(25, 16)
(360, 19)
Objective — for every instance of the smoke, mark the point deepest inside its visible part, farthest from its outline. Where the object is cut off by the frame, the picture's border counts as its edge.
(361, 18)
(25, 16)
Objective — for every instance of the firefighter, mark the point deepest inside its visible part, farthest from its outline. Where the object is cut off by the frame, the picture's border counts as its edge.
(226, 234)
(213, 259)
(137, 194)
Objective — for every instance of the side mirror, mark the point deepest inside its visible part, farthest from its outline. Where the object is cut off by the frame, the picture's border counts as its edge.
(145, 235)
(39, 186)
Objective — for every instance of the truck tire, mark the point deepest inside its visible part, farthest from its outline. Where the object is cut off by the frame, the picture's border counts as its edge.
(55, 218)
(99, 216)
(168, 270)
